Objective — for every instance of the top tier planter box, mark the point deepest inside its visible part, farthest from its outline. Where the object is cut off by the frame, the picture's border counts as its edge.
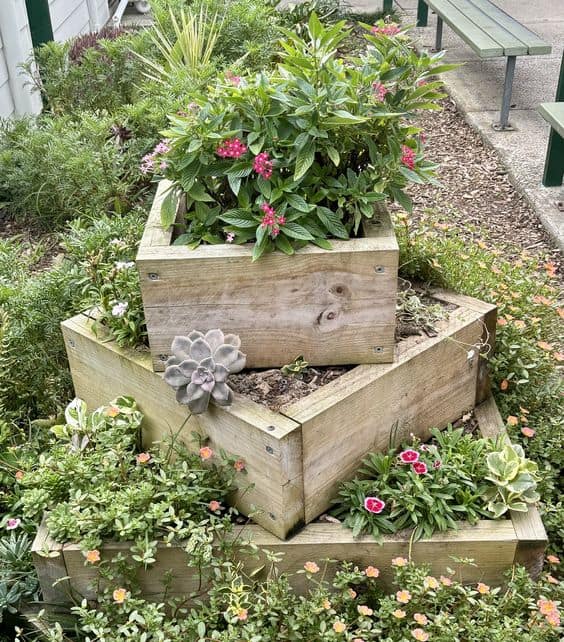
(331, 306)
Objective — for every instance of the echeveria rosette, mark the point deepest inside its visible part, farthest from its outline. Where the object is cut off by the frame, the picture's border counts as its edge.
(199, 367)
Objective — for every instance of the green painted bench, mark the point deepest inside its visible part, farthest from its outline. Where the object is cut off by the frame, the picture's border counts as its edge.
(553, 113)
(490, 32)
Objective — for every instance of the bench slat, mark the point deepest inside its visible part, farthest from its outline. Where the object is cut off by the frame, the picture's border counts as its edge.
(553, 113)
(535, 44)
(481, 43)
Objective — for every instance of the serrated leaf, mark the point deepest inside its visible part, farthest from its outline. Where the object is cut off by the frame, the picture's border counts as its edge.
(234, 184)
(238, 218)
(334, 156)
(198, 193)
(282, 244)
(304, 161)
(169, 206)
(296, 231)
(332, 222)
(298, 203)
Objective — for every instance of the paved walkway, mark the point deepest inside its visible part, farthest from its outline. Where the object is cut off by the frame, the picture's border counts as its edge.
(477, 86)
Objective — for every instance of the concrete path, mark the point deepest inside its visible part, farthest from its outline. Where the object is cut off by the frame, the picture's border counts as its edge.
(477, 87)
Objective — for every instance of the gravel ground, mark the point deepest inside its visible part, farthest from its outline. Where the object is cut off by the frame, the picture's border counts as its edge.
(476, 189)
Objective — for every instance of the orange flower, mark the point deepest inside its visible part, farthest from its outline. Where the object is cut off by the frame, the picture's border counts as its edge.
(364, 610)
(512, 421)
(326, 604)
(93, 556)
(504, 385)
(519, 324)
(399, 614)
(550, 269)
(420, 634)
(420, 618)
(528, 432)
(214, 505)
(143, 458)
(403, 597)
(558, 356)
(543, 345)
(445, 581)
(501, 321)
(112, 411)
(352, 594)
(206, 452)
(19, 475)
(399, 561)
(551, 580)
(339, 627)
(242, 614)
(239, 465)
(371, 571)
(430, 582)
(120, 595)
(552, 559)
(553, 619)
(482, 588)
(311, 567)
(560, 312)
(546, 607)
(542, 300)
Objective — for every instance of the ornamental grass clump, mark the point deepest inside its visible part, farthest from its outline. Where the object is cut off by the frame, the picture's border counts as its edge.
(301, 154)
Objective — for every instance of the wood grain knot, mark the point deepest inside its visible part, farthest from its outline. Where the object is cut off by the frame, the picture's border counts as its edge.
(340, 290)
(328, 320)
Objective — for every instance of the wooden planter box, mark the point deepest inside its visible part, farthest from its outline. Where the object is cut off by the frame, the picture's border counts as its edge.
(296, 458)
(332, 307)
(493, 545)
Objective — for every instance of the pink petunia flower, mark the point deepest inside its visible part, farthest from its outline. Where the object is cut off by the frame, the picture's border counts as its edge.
(374, 505)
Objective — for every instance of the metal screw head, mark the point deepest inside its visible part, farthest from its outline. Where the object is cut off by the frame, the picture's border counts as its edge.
(163, 357)
(379, 269)
(272, 515)
(71, 343)
(270, 450)
(153, 276)
(378, 349)
(271, 428)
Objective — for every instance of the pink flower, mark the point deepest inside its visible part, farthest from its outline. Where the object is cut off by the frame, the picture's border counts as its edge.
(206, 452)
(163, 147)
(13, 523)
(409, 456)
(147, 164)
(262, 165)
(419, 467)
(214, 505)
(231, 148)
(232, 78)
(229, 237)
(390, 29)
(311, 567)
(437, 464)
(408, 156)
(239, 465)
(143, 458)
(528, 432)
(374, 505)
(269, 217)
(379, 91)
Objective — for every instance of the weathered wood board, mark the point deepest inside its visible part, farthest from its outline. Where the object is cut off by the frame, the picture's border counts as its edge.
(295, 458)
(332, 307)
(493, 545)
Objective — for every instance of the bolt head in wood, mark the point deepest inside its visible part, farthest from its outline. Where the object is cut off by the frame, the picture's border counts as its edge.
(153, 276)
(379, 269)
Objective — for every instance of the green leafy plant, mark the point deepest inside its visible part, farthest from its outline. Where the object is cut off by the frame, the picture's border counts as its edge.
(296, 368)
(424, 487)
(18, 582)
(302, 154)
(514, 478)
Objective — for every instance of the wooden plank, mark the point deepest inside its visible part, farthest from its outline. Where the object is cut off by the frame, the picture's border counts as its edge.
(491, 544)
(483, 18)
(51, 571)
(269, 443)
(530, 531)
(553, 113)
(154, 235)
(333, 307)
(431, 383)
(535, 44)
(477, 39)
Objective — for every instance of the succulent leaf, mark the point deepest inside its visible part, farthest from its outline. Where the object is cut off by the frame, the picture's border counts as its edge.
(214, 339)
(175, 377)
(181, 347)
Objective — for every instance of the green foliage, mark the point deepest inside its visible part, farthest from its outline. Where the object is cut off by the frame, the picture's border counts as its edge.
(514, 478)
(18, 582)
(96, 485)
(296, 368)
(350, 606)
(56, 169)
(329, 149)
(449, 487)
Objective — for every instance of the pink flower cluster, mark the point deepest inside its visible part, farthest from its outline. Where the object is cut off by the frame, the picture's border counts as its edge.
(231, 148)
(232, 78)
(271, 219)
(379, 90)
(390, 29)
(408, 156)
(148, 162)
(263, 165)
(412, 457)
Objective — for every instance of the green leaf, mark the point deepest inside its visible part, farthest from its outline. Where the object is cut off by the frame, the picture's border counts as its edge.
(238, 218)
(323, 243)
(169, 206)
(334, 156)
(298, 203)
(234, 184)
(403, 199)
(260, 246)
(342, 117)
(332, 222)
(282, 244)
(304, 161)
(198, 193)
(296, 231)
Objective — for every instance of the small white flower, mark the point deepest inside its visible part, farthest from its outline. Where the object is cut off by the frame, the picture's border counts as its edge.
(119, 309)
(124, 265)
(471, 354)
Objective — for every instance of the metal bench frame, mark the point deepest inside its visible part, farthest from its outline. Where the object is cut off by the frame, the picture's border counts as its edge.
(552, 174)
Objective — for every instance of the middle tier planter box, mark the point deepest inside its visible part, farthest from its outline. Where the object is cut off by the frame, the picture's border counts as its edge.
(295, 458)
(331, 306)
(493, 545)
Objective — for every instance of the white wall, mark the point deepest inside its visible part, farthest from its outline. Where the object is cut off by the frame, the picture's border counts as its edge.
(6, 103)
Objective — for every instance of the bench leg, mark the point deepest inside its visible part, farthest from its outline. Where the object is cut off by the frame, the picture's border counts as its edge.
(507, 91)
(554, 164)
(422, 13)
(439, 34)
(388, 6)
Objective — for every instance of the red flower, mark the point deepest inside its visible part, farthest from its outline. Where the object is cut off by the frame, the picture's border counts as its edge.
(374, 505)
(408, 156)
(419, 467)
(409, 456)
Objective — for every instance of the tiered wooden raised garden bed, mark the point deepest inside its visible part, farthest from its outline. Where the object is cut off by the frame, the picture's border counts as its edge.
(295, 458)
(493, 546)
(332, 307)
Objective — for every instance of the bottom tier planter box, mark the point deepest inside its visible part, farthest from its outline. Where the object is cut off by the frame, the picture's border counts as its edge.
(296, 458)
(494, 546)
